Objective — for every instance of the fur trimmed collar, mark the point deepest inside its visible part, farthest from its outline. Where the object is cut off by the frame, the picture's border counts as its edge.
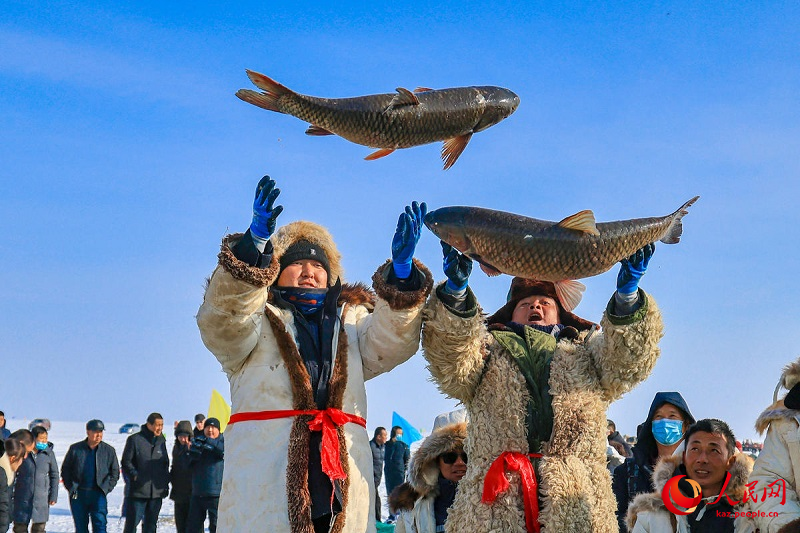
(665, 470)
(774, 413)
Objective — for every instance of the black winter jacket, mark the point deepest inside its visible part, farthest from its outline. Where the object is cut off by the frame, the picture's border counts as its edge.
(180, 475)
(145, 464)
(107, 466)
(206, 457)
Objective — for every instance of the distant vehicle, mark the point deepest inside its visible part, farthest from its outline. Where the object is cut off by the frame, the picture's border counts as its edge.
(129, 428)
(44, 422)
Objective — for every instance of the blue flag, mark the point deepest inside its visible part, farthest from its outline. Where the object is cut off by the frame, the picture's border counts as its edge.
(410, 433)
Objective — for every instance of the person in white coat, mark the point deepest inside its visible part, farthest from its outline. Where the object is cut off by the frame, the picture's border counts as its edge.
(436, 468)
(777, 468)
(297, 345)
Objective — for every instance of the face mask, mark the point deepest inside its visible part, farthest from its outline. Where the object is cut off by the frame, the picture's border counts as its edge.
(41, 446)
(667, 432)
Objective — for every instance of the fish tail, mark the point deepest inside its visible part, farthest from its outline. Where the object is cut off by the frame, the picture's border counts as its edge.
(267, 84)
(263, 100)
(675, 229)
(269, 98)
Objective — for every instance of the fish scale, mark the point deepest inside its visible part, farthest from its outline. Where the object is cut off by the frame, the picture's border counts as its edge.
(545, 250)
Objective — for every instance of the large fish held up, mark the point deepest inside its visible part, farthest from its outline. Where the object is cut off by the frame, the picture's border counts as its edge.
(391, 121)
(560, 252)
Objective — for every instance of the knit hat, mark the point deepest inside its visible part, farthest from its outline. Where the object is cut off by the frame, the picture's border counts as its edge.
(199, 417)
(522, 288)
(213, 422)
(184, 427)
(304, 249)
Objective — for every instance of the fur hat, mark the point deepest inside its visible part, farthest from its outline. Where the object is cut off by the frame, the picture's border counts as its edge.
(184, 427)
(287, 236)
(423, 472)
(522, 288)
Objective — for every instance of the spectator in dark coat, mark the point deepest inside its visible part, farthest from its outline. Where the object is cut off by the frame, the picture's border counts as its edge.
(659, 436)
(145, 464)
(378, 447)
(206, 455)
(90, 471)
(396, 457)
(180, 474)
(618, 441)
(36, 487)
(199, 419)
(4, 433)
(12, 453)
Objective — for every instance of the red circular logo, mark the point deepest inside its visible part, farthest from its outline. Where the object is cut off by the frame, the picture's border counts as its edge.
(672, 493)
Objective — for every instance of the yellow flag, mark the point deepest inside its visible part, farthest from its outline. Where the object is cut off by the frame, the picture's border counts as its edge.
(219, 409)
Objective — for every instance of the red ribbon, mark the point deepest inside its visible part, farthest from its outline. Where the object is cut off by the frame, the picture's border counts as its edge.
(496, 483)
(325, 420)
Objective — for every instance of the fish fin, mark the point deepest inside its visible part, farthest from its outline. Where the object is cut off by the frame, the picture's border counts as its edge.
(264, 100)
(453, 148)
(383, 152)
(422, 89)
(317, 131)
(673, 234)
(488, 269)
(403, 97)
(570, 293)
(582, 221)
(267, 84)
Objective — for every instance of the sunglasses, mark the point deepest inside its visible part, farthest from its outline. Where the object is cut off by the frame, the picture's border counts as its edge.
(451, 457)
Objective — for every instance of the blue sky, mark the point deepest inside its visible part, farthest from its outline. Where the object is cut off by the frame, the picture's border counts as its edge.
(126, 157)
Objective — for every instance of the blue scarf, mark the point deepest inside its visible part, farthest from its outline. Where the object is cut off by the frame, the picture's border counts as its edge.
(519, 329)
(307, 301)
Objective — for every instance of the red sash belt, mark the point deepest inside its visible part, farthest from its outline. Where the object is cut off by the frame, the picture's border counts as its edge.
(496, 484)
(326, 421)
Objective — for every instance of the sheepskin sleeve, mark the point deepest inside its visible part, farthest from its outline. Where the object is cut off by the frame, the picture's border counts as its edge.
(453, 344)
(230, 316)
(626, 352)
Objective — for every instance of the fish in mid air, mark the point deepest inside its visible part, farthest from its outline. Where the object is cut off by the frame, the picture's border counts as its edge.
(560, 252)
(392, 121)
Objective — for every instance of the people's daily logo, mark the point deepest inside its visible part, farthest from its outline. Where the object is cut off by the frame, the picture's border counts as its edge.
(674, 499)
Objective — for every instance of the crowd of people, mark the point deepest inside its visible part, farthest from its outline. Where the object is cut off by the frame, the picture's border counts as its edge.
(29, 476)
(536, 380)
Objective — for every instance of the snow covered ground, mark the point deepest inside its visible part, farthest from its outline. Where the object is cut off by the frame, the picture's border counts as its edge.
(63, 434)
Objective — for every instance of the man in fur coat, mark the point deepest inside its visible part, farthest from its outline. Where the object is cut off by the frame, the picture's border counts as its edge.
(436, 469)
(778, 464)
(537, 381)
(297, 346)
(709, 459)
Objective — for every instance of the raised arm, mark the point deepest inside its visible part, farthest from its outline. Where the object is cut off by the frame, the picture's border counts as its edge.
(390, 335)
(453, 333)
(627, 351)
(230, 317)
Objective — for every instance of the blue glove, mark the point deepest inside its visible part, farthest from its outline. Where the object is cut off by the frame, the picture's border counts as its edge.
(264, 214)
(457, 268)
(633, 268)
(406, 237)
